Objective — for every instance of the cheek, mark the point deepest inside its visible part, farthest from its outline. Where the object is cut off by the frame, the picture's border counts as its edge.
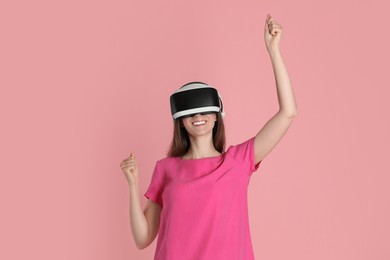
(186, 123)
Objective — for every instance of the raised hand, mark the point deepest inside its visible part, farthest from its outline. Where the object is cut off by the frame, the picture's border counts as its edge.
(130, 169)
(272, 33)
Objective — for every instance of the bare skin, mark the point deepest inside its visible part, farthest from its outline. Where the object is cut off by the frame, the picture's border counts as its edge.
(145, 223)
(201, 136)
(275, 128)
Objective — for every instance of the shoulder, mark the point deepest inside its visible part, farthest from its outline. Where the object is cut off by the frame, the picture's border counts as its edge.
(165, 162)
(163, 166)
(243, 153)
(245, 146)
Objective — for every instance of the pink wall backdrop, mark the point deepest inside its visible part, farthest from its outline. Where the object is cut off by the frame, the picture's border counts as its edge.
(84, 83)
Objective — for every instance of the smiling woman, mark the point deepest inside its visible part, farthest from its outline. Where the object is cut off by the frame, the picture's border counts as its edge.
(198, 201)
(206, 101)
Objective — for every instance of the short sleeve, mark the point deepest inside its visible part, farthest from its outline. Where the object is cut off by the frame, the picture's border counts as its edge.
(244, 153)
(155, 189)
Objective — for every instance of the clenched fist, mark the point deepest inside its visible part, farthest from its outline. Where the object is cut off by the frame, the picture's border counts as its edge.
(272, 33)
(130, 169)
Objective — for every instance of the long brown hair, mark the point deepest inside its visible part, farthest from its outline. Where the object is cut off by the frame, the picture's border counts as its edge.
(181, 142)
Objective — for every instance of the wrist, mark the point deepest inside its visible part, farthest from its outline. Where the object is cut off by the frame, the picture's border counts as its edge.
(273, 50)
(134, 187)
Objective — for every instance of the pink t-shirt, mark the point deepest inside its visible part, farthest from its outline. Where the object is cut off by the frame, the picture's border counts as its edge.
(204, 206)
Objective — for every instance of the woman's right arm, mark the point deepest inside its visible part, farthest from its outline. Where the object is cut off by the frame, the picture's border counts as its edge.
(144, 224)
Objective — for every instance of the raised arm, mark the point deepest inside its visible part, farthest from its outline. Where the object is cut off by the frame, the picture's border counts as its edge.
(275, 128)
(144, 224)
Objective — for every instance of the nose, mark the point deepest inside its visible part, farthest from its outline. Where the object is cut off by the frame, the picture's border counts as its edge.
(197, 115)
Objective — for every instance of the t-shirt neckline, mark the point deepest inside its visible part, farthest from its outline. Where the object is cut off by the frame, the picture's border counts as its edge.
(200, 159)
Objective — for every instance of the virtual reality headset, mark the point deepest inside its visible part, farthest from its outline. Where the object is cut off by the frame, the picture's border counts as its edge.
(195, 98)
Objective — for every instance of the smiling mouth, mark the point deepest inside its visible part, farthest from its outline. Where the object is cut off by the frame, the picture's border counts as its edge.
(199, 123)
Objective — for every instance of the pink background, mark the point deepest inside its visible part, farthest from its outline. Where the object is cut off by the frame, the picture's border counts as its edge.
(84, 83)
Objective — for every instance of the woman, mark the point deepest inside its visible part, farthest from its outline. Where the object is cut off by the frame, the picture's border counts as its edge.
(198, 194)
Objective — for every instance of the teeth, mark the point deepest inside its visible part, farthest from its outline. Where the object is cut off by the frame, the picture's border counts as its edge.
(199, 123)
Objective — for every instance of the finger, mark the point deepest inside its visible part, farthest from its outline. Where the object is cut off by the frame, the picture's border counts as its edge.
(266, 28)
(276, 31)
(268, 17)
(123, 163)
(271, 20)
(276, 25)
(132, 167)
(271, 25)
(128, 163)
(132, 163)
(272, 28)
(128, 158)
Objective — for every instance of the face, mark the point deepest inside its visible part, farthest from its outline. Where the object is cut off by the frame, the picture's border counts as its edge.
(200, 124)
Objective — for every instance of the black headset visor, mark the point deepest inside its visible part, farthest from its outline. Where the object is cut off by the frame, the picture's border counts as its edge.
(192, 101)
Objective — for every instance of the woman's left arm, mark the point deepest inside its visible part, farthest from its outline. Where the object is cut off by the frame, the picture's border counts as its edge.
(273, 131)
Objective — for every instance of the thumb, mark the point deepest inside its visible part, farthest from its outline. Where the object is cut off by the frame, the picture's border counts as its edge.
(266, 29)
(266, 24)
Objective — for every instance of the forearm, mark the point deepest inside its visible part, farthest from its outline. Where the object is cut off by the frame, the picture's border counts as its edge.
(138, 221)
(285, 92)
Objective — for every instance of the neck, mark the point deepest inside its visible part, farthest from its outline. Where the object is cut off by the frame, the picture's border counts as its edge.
(201, 147)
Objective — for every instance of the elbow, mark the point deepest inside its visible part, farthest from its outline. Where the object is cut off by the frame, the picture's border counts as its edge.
(293, 114)
(289, 114)
(142, 245)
